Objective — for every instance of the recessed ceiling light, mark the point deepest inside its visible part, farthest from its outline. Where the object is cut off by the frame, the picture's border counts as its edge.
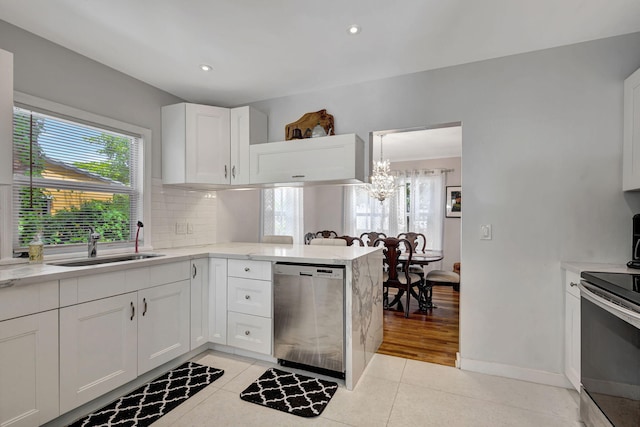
(205, 67)
(353, 29)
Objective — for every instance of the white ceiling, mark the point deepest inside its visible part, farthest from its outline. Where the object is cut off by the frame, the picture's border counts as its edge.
(263, 49)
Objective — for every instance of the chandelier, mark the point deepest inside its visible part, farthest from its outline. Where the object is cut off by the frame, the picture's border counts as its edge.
(383, 184)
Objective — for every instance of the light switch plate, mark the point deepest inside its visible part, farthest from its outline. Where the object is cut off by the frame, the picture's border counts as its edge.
(485, 232)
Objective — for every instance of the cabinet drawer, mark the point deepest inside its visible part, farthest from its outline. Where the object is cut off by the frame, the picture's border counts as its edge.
(260, 270)
(249, 332)
(572, 278)
(249, 296)
(20, 300)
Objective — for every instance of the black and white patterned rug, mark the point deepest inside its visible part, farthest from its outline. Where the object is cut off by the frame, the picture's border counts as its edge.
(146, 404)
(292, 393)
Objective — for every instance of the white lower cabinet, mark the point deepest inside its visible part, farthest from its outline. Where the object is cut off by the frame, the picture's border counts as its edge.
(107, 342)
(572, 329)
(163, 324)
(249, 296)
(218, 300)
(29, 370)
(199, 302)
(98, 348)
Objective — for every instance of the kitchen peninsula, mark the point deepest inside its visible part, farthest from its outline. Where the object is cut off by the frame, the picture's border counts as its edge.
(62, 309)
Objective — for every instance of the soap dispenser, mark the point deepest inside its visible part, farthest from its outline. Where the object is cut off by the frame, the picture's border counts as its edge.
(36, 249)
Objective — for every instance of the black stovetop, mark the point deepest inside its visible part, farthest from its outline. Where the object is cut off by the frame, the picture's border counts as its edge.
(624, 285)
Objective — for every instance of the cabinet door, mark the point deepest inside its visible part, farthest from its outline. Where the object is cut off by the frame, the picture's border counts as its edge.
(248, 126)
(218, 300)
(97, 348)
(631, 146)
(572, 329)
(163, 325)
(338, 158)
(199, 302)
(208, 151)
(6, 117)
(29, 370)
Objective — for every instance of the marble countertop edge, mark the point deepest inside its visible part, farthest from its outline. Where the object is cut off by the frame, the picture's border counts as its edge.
(580, 266)
(25, 273)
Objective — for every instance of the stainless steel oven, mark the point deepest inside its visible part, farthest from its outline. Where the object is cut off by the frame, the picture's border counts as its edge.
(610, 349)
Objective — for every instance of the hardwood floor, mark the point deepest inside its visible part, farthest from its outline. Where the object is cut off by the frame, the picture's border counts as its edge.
(432, 336)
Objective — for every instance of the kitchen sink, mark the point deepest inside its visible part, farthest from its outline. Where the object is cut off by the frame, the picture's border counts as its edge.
(102, 260)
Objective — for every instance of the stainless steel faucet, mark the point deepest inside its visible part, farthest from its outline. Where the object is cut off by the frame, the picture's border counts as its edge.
(93, 243)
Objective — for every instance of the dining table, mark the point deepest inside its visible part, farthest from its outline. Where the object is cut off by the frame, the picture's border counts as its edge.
(421, 258)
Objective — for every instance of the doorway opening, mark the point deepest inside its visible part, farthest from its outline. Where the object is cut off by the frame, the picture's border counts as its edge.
(431, 335)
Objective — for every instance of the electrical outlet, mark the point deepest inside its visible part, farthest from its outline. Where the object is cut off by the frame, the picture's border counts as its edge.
(181, 228)
(189, 228)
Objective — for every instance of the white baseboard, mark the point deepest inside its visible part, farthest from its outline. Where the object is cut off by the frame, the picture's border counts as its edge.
(515, 372)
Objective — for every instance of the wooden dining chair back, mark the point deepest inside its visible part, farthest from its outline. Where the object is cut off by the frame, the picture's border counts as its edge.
(370, 237)
(393, 277)
(351, 240)
(418, 240)
(326, 234)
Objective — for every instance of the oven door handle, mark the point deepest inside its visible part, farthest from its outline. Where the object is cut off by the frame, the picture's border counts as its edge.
(620, 312)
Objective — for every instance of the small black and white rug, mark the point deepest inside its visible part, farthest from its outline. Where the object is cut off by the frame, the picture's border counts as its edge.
(146, 404)
(292, 393)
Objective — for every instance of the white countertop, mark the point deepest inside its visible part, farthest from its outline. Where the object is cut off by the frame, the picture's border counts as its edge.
(340, 255)
(579, 267)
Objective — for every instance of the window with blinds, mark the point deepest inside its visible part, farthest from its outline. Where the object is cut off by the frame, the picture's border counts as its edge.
(69, 175)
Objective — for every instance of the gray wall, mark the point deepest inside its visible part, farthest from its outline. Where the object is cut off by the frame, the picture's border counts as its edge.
(49, 71)
(541, 162)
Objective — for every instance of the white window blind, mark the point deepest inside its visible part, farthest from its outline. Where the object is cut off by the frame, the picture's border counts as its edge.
(69, 175)
(282, 212)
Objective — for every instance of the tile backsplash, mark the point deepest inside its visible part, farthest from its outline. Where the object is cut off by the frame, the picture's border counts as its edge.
(182, 217)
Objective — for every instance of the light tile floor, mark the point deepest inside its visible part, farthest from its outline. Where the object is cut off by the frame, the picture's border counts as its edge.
(392, 392)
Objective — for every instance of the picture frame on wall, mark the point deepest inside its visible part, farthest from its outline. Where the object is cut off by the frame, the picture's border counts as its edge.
(454, 202)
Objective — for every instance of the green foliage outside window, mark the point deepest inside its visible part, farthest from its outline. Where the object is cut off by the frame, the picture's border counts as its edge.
(110, 215)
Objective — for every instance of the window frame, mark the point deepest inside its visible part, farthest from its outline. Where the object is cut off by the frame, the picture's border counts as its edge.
(74, 114)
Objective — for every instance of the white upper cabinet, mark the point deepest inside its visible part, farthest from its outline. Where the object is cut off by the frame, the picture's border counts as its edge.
(205, 146)
(631, 147)
(248, 126)
(329, 159)
(6, 117)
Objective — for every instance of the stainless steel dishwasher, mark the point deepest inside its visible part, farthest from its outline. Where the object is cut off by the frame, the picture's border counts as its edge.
(309, 317)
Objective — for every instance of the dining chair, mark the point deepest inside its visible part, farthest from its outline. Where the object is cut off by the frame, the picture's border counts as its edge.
(326, 234)
(418, 240)
(393, 277)
(350, 240)
(321, 241)
(277, 239)
(435, 278)
(418, 243)
(371, 237)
